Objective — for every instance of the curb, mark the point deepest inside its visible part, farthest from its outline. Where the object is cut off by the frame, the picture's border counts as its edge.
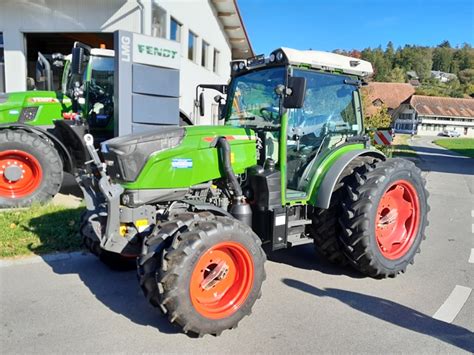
(43, 258)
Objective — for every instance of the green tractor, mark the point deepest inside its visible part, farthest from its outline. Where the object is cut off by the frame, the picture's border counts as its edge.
(199, 207)
(33, 154)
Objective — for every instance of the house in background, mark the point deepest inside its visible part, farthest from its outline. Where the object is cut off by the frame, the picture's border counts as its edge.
(442, 76)
(430, 115)
(390, 95)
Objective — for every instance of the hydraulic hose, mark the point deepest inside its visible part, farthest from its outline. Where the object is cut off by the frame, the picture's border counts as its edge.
(224, 146)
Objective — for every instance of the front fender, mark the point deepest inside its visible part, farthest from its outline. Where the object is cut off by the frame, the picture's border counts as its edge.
(323, 196)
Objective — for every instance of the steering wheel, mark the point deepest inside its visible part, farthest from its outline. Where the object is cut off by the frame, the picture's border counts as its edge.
(268, 113)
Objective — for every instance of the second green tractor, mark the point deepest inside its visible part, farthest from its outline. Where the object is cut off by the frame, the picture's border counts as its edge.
(199, 207)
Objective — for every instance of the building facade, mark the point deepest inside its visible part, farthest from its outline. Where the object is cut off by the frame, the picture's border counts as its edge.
(211, 33)
(430, 116)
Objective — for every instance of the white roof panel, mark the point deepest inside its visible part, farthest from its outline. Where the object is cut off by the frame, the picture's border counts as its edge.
(328, 61)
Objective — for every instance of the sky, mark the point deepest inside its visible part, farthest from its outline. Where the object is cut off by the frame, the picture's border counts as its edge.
(351, 24)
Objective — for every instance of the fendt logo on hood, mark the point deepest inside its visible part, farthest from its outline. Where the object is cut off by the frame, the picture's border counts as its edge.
(161, 52)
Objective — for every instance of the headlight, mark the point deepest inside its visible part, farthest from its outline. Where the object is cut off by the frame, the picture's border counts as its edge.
(241, 65)
(28, 114)
(235, 67)
(272, 58)
(279, 56)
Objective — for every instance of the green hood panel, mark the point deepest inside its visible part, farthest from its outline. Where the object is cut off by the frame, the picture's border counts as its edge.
(49, 106)
(195, 160)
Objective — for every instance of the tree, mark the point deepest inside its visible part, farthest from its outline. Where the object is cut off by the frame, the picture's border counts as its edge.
(380, 119)
(396, 75)
(442, 59)
(466, 76)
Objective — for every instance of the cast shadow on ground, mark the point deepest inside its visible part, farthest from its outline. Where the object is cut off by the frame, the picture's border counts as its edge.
(305, 257)
(394, 313)
(443, 161)
(117, 290)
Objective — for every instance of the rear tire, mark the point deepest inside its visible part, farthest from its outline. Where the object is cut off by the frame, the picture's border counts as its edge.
(384, 217)
(34, 164)
(177, 281)
(325, 228)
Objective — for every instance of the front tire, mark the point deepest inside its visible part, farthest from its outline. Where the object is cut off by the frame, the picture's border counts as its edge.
(209, 277)
(384, 217)
(31, 169)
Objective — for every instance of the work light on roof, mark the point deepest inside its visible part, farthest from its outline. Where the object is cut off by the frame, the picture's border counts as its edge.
(235, 67)
(279, 55)
(272, 58)
(241, 65)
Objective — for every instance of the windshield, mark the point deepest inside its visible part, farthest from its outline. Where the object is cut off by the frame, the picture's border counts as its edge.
(252, 100)
(330, 106)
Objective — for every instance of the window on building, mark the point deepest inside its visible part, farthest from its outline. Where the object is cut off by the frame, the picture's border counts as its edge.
(192, 42)
(175, 30)
(204, 54)
(158, 22)
(2, 65)
(215, 63)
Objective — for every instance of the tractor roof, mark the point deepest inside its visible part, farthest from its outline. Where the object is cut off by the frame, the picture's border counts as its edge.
(327, 61)
(102, 52)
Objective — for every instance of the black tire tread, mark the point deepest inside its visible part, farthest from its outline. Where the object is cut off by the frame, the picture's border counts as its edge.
(325, 228)
(39, 146)
(357, 206)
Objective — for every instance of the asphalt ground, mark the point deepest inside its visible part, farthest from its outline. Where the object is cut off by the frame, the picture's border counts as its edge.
(75, 304)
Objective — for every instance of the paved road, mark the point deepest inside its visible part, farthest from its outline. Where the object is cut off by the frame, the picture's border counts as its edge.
(308, 306)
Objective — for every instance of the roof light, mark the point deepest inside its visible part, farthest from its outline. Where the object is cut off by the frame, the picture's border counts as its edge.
(279, 55)
(272, 58)
(235, 67)
(241, 65)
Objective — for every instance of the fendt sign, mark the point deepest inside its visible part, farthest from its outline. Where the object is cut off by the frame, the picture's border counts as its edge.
(156, 51)
(146, 82)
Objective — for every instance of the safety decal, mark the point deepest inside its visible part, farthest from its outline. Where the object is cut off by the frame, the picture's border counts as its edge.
(182, 163)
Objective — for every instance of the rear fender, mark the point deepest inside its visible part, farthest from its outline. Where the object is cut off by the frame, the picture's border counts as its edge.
(326, 187)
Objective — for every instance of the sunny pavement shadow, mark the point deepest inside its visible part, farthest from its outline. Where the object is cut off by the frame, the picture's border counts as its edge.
(394, 313)
(443, 161)
(305, 257)
(119, 291)
(115, 288)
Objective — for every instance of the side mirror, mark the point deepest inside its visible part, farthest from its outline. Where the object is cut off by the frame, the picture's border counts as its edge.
(295, 99)
(77, 60)
(201, 104)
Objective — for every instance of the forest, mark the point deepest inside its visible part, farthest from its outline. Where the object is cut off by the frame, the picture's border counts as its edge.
(398, 64)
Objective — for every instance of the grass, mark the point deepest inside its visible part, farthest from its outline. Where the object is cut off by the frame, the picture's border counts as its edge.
(39, 229)
(463, 146)
(400, 146)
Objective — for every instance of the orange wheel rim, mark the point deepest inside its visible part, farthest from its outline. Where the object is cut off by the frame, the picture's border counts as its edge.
(397, 220)
(20, 174)
(222, 280)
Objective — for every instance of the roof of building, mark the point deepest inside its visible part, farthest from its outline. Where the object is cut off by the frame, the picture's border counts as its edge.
(390, 94)
(228, 14)
(442, 106)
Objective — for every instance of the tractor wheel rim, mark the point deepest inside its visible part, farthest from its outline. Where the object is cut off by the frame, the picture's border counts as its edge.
(20, 174)
(397, 219)
(222, 280)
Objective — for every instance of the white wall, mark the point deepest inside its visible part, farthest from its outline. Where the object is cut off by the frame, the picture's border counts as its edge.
(199, 17)
(20, 16)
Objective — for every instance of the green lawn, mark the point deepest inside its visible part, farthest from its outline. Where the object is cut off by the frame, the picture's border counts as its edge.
(400, 147)
(39, 230)
(464, 146)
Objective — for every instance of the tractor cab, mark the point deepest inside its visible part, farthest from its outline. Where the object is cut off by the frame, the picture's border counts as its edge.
(88, 78)
(302, 105)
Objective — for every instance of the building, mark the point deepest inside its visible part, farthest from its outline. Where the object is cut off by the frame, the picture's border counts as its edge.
(442, 76)
(430, 115)
(390, 95)
(211, 33)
